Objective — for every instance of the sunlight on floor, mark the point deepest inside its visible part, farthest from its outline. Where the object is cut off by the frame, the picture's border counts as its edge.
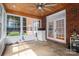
(21, 50)
(29, 52)
(15, 49)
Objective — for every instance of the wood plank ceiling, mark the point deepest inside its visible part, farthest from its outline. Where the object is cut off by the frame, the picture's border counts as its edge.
(30, 10)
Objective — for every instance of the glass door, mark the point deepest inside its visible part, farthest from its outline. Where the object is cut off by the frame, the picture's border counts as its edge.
(60, 29)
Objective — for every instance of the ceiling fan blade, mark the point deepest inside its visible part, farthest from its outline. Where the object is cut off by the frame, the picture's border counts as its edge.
(44, 7)
(50, 4)
(47, 9)
(28, 4)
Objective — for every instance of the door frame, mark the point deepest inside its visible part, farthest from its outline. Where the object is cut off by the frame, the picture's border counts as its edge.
(50, 19)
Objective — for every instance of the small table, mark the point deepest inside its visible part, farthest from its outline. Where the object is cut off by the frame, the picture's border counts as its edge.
(74, 44)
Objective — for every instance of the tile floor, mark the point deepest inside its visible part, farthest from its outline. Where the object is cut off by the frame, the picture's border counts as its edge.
(37, 48)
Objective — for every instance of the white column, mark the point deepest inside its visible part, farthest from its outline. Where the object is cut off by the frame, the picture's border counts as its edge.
(21, 27)
(2, 23)
(5, 25)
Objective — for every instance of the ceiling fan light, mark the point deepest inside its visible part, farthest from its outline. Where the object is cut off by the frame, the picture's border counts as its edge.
(39, 8)
(14, 6)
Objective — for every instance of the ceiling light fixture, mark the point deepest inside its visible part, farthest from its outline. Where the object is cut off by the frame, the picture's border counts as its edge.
(14, 6)
(39, 8)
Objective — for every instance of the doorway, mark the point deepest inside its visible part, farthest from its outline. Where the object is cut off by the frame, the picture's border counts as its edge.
(36, 26)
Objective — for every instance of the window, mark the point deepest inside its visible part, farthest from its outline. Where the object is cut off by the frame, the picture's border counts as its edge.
(13, 25)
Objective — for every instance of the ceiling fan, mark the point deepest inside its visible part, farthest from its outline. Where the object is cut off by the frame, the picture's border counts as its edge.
(41, 6)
